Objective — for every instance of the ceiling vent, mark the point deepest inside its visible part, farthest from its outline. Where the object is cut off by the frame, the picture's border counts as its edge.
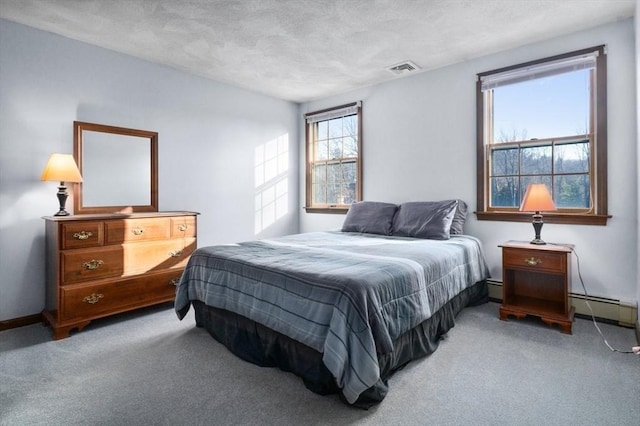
(403, 68)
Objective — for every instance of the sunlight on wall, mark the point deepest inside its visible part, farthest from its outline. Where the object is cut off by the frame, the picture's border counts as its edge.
(272, 182)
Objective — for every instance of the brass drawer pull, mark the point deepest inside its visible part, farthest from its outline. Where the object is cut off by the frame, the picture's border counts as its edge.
(176, 253)
(93, 299)
(92, 264)
(183, 227)
(137, 231)
(174, 282)
(532, 261)
(82, 235)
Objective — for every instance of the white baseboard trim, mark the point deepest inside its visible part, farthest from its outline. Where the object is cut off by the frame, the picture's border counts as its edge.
(608, 309)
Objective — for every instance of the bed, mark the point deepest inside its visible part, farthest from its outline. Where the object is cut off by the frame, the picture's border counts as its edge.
(341, 309)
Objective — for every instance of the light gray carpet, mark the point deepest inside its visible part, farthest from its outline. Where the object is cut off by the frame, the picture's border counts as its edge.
(149, 368)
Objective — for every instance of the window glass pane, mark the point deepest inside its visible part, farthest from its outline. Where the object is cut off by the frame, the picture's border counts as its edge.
(319, 183)
(333, 194)
(572, 157)
(321, 151)
(504, 192)
(504, 162)
(322, 127)
(350, 147)
(335, 128)
(350, 125)
(572, 191)
(335, 148)
(542, 108)
(535, 160)
(333, 173)
(319, 194)
(319, 173)
(348, 182)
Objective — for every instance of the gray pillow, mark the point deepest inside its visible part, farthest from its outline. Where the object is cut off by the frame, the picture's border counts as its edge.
(459, 218)
(371, 217)
(425, 219)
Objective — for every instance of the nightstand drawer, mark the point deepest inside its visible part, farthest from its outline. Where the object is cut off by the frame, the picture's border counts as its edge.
(535, 260)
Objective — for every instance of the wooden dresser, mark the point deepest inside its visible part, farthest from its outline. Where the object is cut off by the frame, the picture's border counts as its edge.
(103, 264)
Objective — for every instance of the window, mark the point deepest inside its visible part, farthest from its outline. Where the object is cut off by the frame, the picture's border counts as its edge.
(334, 168)
(545, 122)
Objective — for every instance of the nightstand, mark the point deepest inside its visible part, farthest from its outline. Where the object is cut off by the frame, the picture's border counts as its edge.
(535, 281)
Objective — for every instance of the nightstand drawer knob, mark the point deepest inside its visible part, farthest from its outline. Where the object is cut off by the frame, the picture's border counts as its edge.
(532, 261)
(137, 231)
(183, 227)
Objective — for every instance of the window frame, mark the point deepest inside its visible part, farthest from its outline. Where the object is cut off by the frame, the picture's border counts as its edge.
(598, 167)
(310, 207)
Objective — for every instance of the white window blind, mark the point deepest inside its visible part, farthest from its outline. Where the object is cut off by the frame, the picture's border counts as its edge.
(546, 69)
(334, 113)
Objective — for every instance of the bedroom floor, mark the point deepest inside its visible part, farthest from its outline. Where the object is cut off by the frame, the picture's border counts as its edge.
(149, 368)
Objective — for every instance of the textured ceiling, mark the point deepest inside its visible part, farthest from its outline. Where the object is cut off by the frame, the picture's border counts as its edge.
(301, 50)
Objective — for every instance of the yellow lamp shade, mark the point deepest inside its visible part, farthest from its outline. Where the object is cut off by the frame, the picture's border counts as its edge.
(62, 168)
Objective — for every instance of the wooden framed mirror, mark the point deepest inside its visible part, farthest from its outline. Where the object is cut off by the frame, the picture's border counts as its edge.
(119, 168)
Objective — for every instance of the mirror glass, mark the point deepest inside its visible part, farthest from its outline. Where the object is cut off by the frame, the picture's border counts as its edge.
(118, 167)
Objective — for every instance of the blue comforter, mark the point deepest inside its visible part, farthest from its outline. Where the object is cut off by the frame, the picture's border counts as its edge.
(346, 295)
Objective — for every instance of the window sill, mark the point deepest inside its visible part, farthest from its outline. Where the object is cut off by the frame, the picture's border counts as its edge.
(333, 210)
(562, 218)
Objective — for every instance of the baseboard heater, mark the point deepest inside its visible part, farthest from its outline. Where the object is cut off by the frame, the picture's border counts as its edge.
(606, 310)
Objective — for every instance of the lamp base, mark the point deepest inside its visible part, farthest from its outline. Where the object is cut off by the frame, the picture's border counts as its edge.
(537, 227)
(62, 199)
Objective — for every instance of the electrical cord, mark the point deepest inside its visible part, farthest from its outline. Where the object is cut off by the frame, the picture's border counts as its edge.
(635, 349)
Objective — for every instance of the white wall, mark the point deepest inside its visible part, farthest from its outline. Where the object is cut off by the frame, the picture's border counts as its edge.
(208, 133)
(420, 140)
(637, 25)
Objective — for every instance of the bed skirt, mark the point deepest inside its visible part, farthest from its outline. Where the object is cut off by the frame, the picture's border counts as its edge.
(265, 347)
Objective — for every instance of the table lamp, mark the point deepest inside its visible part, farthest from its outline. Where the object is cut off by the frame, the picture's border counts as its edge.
(537, 199)
(62, 168)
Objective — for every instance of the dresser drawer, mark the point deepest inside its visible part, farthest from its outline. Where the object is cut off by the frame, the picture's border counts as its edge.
(91, 264)
(94, 300)
(155, 256)
(184, 226)
(82, 234)
(130, 230)
(535, 260)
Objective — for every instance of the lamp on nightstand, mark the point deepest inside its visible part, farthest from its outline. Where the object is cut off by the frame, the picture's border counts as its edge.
(537, 199)
(61, 168)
